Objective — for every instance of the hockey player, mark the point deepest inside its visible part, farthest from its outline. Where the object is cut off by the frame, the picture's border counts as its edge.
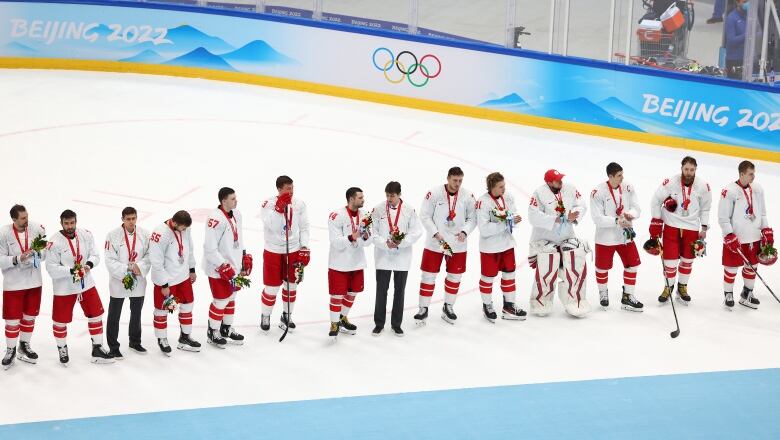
(746, 233)
(127, 260)
(224, 257)
(554, 210)
(681, 211)
(173, 273)
(497, 217)
(614, 206)
(349, 229)
(395, 229)
(70, 259)
(21, 266)
(448, 216)
(279, 267)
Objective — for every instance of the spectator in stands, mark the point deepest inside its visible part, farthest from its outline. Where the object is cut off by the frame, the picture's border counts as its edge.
(736, 25)
(717, 13)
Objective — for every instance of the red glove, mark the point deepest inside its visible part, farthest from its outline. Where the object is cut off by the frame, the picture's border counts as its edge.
(226, 272)
(246, 263)
(767, 236)
(732, 242)
(283, 200)
(304, 256)
(670, 204)
(656, 227)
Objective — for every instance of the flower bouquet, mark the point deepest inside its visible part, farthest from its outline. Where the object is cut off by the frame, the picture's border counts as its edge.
(78, 272)
(299, 268)
(699, 248)
(445, 248)
(504, 216)
(129, 281)
(365, 223)
(39, 243)
(239, 282)
(397, 236)
(170, 303)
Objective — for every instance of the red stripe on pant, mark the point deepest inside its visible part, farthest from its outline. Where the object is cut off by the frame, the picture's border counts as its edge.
(27, 326)
(602, 277)
(60, 332)
(539, 281)
(629, 278)
(268, 299)
(686, 268)
(484, 287)
(451, 287)
(748, 274)
(185, 318)
(427, 289)
(215, 313)
(11, 331)
(507, 286)
(95, 328)
(230, 308)
(288, 297)
(335, 303)
(348, 301)
(161, 322)
(671, 272)
(729, 277)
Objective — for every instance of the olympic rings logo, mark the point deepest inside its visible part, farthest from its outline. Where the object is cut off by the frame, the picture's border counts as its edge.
(409, 67)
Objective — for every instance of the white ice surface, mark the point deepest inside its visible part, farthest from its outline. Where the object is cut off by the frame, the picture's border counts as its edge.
(97, 142)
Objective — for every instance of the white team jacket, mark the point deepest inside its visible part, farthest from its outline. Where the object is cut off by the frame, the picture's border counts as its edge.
(603, 211)
(434, 212)
(24, 275)
(733, 216)
(494, 235)
(273, 226)
(219, 246)
(164, 256)
(117, 256)
(542, 214)
(345, 256)
(60, 260)
(698, 210)
(399, 259)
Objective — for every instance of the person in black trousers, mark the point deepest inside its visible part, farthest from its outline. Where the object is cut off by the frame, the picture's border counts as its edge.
(127, 259)
(395, 228)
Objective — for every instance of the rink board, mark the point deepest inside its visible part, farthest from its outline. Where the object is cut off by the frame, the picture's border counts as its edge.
(457, 77)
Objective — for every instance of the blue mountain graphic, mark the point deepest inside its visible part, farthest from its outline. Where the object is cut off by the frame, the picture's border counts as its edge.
(257, 51)
(201, 57)
(186, 38)
(511, 102)
(147, 57)
(582, 110)
(15, 49)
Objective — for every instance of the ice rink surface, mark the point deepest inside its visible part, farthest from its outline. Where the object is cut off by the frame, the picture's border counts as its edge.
(97, 142)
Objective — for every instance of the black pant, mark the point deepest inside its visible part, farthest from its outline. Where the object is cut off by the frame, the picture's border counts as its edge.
(380, 307)
(115, 311)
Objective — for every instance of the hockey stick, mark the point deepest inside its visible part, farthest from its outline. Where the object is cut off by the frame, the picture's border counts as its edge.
(286, 271)
(756, 272)
(676, 332)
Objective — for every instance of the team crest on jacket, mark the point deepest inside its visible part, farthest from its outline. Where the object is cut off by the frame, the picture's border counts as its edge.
(724, 193)
(665, 182)
(593, 193)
